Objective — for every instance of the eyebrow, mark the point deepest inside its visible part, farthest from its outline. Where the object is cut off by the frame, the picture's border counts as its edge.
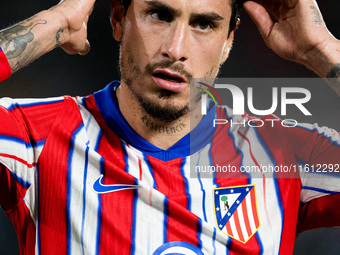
(211, 16)
(164, 7)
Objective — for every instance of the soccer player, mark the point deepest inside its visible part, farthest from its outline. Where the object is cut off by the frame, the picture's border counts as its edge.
(110, 173)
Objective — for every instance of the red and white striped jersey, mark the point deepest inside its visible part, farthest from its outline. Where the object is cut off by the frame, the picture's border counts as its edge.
(75, 178)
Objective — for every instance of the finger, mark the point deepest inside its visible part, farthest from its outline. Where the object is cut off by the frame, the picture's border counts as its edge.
(91, 10)
(86, 6)
(289, 3)
(90, 5)
(87, 20)
(260, 17)
(271, 6)
(286, 3)
(86, 48)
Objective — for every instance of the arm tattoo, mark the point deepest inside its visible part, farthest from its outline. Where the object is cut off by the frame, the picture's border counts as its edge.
(57, 36)
(317, 16)
(333, 78)
(16, 39)
(334, 72)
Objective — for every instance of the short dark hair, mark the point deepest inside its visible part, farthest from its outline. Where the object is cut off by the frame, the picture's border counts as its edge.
(236, 6)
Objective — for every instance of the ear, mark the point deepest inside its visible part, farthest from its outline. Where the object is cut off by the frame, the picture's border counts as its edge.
(228, 44)
(117, 19)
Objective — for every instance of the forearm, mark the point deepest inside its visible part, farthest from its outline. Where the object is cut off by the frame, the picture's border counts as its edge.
(299, 34)
(325, 61)
(28, 40)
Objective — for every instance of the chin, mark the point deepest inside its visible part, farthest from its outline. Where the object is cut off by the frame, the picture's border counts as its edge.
(165, 109)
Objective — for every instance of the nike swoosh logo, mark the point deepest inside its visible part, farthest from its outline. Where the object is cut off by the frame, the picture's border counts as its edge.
(101, 188)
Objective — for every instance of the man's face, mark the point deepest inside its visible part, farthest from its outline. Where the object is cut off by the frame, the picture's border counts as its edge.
(165, 44)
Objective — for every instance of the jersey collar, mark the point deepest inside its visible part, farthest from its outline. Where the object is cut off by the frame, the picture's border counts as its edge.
(191, 143)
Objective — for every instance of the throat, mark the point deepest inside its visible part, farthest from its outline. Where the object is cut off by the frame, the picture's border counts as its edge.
(163, 135)
(170, 129)
(161, 132)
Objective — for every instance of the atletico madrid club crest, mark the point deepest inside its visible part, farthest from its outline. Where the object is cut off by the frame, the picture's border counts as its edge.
(236, 211)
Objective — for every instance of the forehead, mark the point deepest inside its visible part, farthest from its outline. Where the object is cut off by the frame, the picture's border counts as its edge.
(221, 7)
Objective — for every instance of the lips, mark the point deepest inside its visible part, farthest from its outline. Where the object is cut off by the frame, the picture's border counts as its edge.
(169, 80)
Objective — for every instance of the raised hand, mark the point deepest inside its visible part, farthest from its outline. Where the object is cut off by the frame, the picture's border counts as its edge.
(72, 34)
(297, 33)
(63, 25)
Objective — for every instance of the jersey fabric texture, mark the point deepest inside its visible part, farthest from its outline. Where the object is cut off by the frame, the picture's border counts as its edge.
(5, 68)
(75, 178)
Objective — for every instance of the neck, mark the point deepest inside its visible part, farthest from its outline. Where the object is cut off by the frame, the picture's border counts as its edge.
(159, 133)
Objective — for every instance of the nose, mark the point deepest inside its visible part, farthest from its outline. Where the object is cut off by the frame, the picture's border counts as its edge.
(176, 43)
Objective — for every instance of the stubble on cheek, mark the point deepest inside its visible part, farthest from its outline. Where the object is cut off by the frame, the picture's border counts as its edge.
(131, 76)
(129, 71)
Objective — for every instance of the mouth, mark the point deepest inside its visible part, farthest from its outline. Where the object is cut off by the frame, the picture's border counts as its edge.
(169, 77)
(170, 80)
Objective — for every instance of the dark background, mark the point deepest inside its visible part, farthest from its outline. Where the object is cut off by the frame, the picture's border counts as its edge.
(58, 74)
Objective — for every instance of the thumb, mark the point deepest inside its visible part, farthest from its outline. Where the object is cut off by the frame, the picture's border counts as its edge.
(86, 48)
(260, 17)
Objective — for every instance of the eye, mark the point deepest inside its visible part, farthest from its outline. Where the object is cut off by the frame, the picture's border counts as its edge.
(161, 15)
(204, 26)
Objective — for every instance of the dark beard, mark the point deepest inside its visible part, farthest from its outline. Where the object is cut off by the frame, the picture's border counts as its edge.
(129, 73)
(164, 114)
